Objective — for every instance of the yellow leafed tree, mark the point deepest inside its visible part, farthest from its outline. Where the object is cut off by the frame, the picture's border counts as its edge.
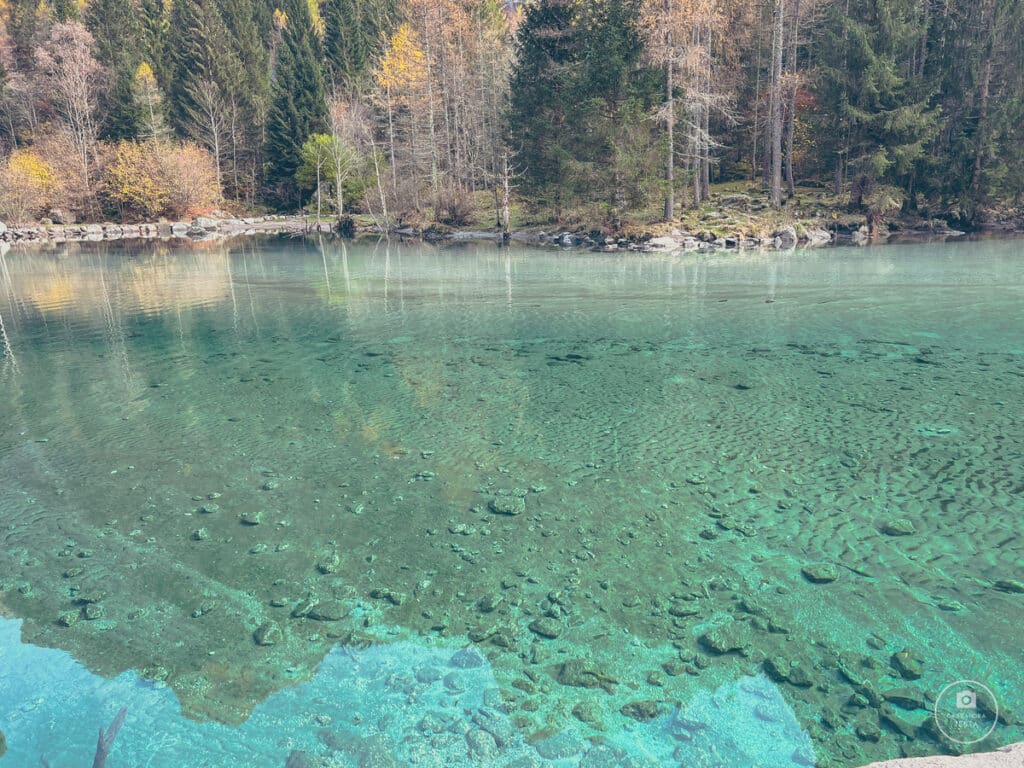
(150, 100)
(403, 69)
(27, 185)
(160, 178)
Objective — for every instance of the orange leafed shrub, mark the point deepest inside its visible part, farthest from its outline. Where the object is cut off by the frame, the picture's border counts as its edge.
(27, 185)
(159, 178)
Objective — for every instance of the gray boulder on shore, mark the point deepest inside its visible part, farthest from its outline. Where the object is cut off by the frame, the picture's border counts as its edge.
(1011, 756)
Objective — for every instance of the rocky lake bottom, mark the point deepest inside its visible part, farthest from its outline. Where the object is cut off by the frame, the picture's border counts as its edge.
(365, 505)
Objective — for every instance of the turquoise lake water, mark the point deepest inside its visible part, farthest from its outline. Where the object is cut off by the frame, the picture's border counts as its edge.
(387, 504)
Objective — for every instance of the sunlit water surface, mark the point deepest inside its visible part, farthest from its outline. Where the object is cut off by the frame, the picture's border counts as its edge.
(377, 504)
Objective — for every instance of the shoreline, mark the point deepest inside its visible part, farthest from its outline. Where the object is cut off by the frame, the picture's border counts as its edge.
(1010, 756)
(205, 228)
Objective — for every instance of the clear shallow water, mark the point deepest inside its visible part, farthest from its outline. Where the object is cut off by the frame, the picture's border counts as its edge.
(678, 437)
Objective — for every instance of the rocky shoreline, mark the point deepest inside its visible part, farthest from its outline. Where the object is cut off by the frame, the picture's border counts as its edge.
(209, 227)
(201, 228)
(1011, 756)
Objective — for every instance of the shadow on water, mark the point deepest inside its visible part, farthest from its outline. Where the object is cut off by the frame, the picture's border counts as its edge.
(395, 704)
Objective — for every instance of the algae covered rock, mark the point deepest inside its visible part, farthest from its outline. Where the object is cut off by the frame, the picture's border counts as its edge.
(482, 745)
(507, 505)
(782, 670)
(643, 711)
(908, 664)
(906, 698)
(327, 610)
(546, 627)
(583, 674)
(898, 527)
(267, 633)
(560, 746)
(467, 658)
(587, 712)
(867, 730)
(1010, 585)
(328, 562)
(390, 595)
(820, 573)
(733, 636)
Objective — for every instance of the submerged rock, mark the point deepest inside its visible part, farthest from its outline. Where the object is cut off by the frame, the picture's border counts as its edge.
(908, 664)
(507, 505)
(820, 573)
(329, 562)
(482, 745)
(390, 595)
(467, 658)
(560, 746)
(899, 527)
(643, 711)
(327, 610)
(488, 603)
(783, 670)
(867, 730)
(734, 636)
(906, 698)
(546, 627)
(583, 674)
(267, 633)
(587, 712)
(1010, 585)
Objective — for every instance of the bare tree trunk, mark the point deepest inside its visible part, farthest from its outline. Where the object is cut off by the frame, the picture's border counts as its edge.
(506, 190)
(670, 154)
(922, 54)
(775, 186)
(757, 104)
(380, 184)
(695, 155)
(981, 143)
(791, 105)
(391, 144)
(670, 118)
(319, 197)
(705, 128)
(431, 110)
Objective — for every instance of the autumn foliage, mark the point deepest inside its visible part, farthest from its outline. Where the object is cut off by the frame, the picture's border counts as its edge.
(27, 186)
(146, 180)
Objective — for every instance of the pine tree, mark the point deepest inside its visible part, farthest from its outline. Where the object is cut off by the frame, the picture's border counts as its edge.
(116, 32)
(541, 97)
(354, 35)
(298, 103)
(580, 98)
(881, 111)
(208, 93)
(65, 10)
(154, 27)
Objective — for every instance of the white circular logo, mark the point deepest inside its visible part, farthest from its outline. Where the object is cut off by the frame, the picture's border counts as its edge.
(966, 711)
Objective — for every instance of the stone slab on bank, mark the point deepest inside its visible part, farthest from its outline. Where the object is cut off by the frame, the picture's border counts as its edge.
(1011, 756)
